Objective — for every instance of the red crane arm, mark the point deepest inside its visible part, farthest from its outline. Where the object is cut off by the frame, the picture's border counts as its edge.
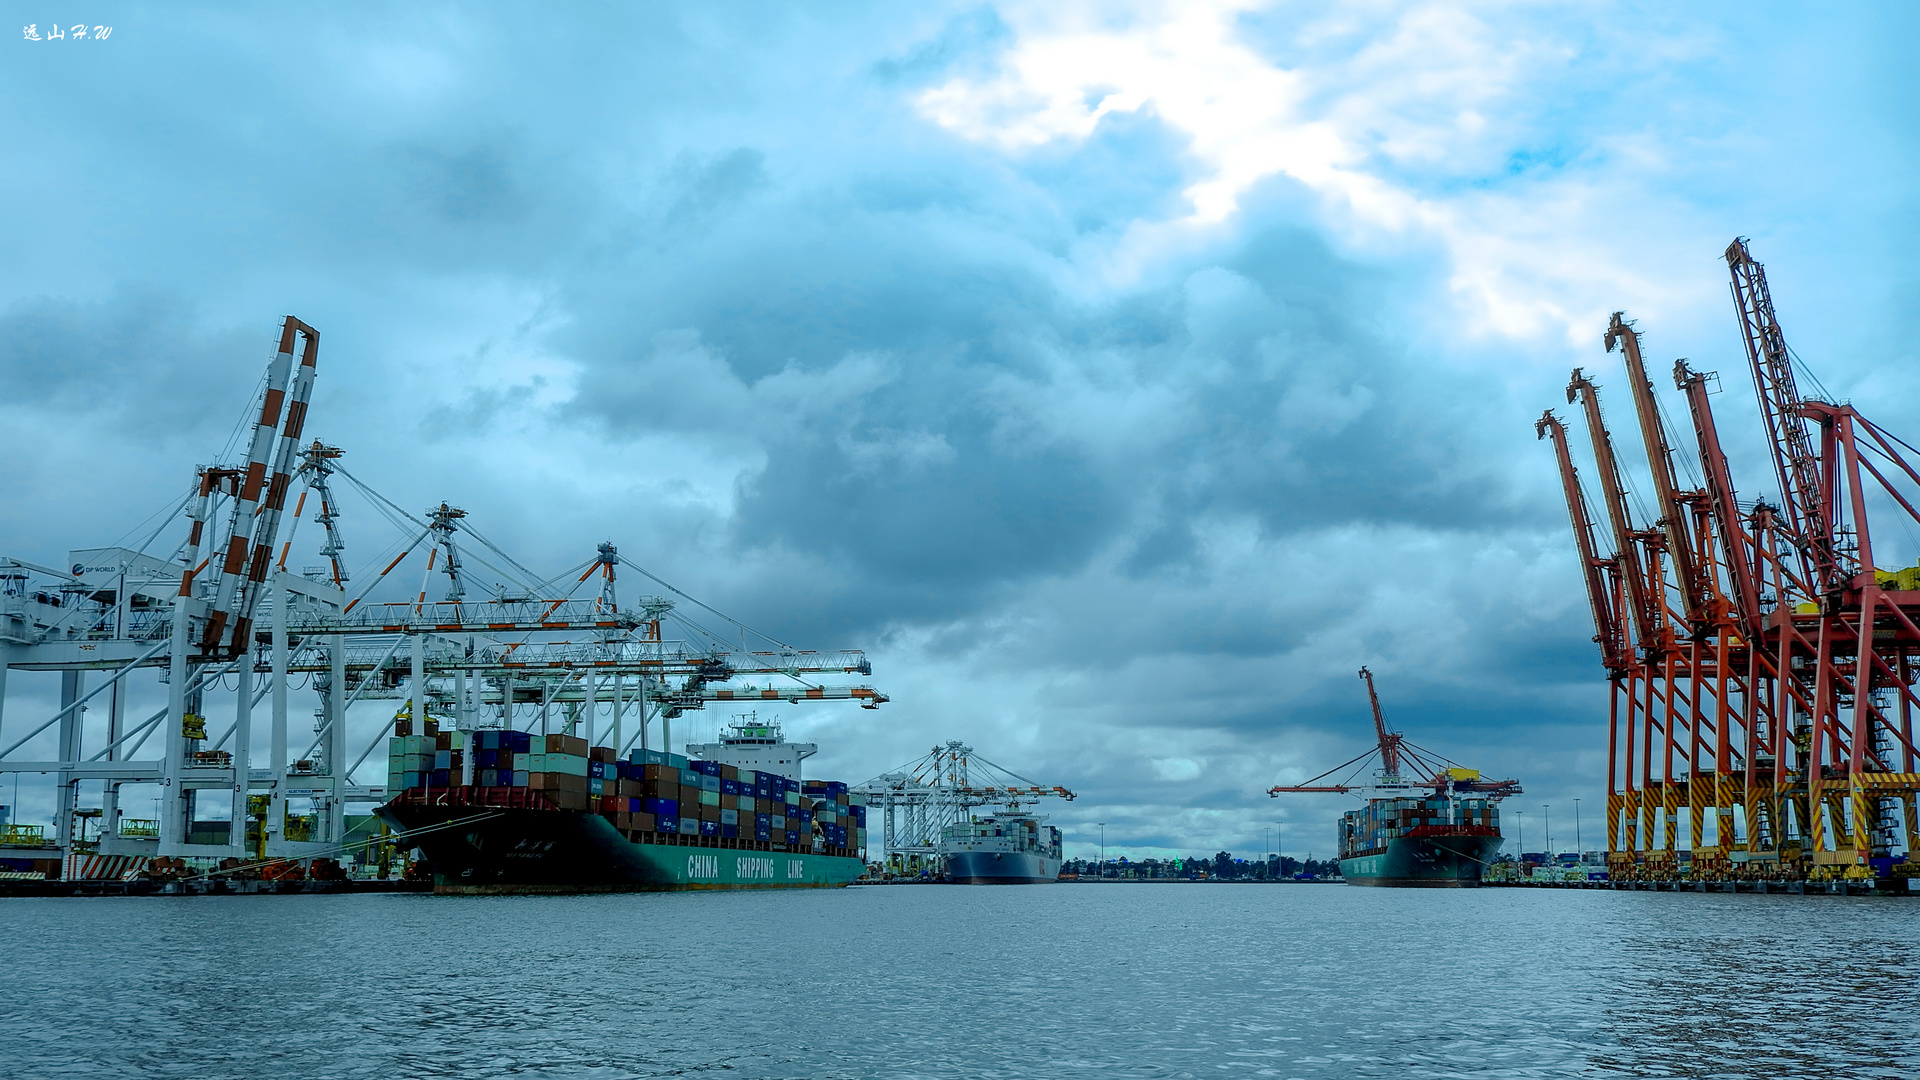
(1641, 601)
(1736, 548)
(1694, 594)
(1389, 742)
(1795, 461)
(1606, 620)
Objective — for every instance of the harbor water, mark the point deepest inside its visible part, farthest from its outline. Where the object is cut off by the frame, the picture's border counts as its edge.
(1088, 980)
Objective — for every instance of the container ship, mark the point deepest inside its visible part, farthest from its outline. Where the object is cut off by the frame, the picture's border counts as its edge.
(503, 811)
(1008, 847)
(1435, 825)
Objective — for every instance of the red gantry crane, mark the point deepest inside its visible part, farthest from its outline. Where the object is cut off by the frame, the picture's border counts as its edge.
(1775, 742)
(1431, 771)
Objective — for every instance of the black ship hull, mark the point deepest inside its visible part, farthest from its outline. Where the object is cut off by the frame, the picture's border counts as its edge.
(486, 849)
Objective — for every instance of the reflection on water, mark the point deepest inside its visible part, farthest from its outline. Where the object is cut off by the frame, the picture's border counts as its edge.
(1772, 986)
(957, 981)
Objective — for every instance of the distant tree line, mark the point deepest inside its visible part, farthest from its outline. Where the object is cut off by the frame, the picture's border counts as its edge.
(1222, 866)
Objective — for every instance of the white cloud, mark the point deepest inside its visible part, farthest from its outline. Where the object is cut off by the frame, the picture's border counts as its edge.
(1408, 123)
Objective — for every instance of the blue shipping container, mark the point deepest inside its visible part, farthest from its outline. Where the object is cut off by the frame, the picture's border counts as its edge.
(519, 778)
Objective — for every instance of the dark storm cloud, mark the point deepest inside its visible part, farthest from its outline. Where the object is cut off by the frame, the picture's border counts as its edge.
(983, 452)
(138, 356)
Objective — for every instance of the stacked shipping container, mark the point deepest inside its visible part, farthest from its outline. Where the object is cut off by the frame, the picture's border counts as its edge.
(650, 796)
(1368, 829)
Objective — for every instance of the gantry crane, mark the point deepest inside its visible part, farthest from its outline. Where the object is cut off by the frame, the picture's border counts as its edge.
(1785, 719)
(222, 620)
(1432, 773)
(918, 800)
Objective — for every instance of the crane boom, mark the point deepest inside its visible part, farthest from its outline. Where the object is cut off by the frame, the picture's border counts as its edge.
(1673, 516)
(1606, 619)
(1640, 599)
(1742, 575)
(1389, 741)
(1430, 770)
(1795, 462)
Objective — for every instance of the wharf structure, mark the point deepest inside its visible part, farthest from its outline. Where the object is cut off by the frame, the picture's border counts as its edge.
(1760, 655)
(151, 648)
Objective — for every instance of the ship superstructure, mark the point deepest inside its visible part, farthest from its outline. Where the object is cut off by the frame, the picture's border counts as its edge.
(1424, 821)
(752, 743)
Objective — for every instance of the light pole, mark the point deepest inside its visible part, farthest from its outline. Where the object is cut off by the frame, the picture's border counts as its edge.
(1101, 872)
(1520, 822)
(1546, 809)
(1576, 827)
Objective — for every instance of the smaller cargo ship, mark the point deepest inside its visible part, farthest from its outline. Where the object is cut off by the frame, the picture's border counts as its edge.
(1007, 847)
(933, 832)
(1435, 825)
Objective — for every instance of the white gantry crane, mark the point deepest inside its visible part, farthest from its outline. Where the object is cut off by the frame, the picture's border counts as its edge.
(920, 799)
(163, 658)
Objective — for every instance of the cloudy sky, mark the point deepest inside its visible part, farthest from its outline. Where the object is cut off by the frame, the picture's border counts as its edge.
(1122, 377)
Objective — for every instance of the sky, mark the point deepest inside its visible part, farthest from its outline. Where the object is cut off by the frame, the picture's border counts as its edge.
(1121, 377)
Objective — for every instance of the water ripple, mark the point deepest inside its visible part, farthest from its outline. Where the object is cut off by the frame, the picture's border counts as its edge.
(1161, 981)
